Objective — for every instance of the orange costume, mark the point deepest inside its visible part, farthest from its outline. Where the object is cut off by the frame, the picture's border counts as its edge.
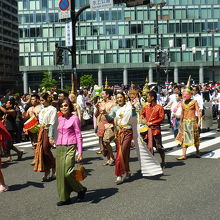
(154, 114)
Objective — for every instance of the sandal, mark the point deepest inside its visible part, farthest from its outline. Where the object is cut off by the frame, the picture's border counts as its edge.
(106, 163)
(111, 162)
(181, 158)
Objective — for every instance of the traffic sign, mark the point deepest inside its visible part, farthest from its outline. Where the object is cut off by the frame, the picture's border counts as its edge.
(64, 5)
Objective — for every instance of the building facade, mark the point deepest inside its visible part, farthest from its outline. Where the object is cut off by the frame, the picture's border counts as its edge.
(9, 50)
(121, 43)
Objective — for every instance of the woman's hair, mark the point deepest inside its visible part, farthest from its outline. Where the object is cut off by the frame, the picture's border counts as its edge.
(121, 93)
(46, 96)
(108, 92)
(66, 100)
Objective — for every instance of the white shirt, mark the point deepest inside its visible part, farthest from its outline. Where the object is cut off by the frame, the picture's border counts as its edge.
(199, 99)
(172, 98)
(81, 102)
(215, 98)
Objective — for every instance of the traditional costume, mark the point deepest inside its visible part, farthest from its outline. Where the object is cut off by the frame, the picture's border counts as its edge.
(69, 140)
(123, 119)
(154, 114)
(189, 130)
(44, 159)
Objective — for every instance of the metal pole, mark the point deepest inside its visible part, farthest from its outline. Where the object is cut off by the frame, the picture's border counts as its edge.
(213, 57)
(157, 46)
(73, 48)
(74, 18)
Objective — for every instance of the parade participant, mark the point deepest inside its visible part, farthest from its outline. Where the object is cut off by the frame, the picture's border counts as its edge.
(190, 122)
(68, 141)
(218, 117)
(198, 98)
(172, 99)
(76, 108)
(105, 129)
(9, 119)
(44, 160)
(154, 116)
(4, 136)
(146, 90)
(33, 111)
(122, 114)
(176, 110)
(215, 98)
(62, 95)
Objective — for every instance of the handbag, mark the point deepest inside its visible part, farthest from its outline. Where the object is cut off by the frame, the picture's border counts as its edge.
(86, 115)
(80, 173)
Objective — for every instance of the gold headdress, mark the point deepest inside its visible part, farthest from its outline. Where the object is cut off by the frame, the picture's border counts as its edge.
(106, 83)
(187, 89)
(146, 88)
(72, 95)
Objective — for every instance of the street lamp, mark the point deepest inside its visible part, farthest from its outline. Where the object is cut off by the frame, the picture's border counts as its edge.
(156, 29)
(213, 31)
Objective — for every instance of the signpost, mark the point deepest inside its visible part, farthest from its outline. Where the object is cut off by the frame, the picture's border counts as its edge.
(64, 12)
(100, 4)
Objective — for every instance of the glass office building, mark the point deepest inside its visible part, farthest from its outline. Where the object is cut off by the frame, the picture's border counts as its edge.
(120, 42)
(9, 53)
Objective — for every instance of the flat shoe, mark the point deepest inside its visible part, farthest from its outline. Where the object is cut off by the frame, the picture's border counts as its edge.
(98, 152)
(81, 194)
(67, 202)
(20, 154)
(45, 179)
(53, 177)
(106, 163)
(181, 158)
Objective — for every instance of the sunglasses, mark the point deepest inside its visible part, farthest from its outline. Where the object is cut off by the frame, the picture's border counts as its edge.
(64, 105)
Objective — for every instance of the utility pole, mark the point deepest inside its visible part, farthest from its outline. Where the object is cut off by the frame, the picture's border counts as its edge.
(156, 30)
(74, 17)
(213, 31)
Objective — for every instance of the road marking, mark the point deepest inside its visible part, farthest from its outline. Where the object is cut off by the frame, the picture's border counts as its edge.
(90, 139)
(215, 154)
(192, 149)
(89, 135)
(174, 143)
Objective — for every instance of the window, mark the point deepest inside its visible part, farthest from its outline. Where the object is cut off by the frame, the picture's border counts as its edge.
(136, 28)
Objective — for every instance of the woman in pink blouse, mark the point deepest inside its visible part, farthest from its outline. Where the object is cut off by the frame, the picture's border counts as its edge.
(68, 142)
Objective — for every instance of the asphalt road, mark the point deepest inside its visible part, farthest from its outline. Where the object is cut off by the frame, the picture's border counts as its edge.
(187, 190)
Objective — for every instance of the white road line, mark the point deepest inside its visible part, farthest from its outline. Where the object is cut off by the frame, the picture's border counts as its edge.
(92, 143)
(192, 149)
(88, 132)
(90, 139)
(89, 135)
(215, 154)
(174, 143)
(22, 144)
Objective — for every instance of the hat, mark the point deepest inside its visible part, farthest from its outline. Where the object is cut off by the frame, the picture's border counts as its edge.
(146, 88)
(106, 83)
(187, 88)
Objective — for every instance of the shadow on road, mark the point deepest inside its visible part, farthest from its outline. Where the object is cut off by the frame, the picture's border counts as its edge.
(174, 164)
(25, 185)
(89, 159)
(96, 196)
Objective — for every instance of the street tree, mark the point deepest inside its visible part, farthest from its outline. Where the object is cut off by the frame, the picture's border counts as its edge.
(87, 81)
(48, 82)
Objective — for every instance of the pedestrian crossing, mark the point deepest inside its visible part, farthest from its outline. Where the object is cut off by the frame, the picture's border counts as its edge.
(209, 140)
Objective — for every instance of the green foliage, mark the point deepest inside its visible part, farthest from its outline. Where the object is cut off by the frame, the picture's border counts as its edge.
(47, 82)
(87, 81)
